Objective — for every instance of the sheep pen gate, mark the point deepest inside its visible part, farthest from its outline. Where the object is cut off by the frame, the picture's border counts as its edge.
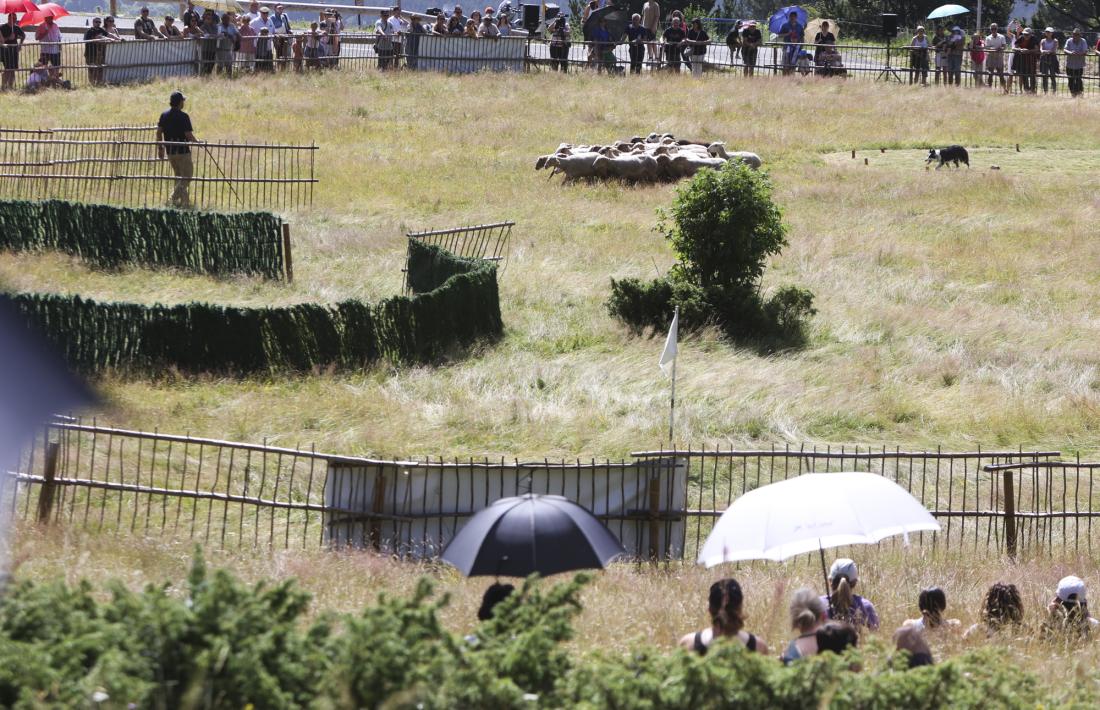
(483, 241)
(120, 165)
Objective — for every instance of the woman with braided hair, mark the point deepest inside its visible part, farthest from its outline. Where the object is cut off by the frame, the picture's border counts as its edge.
(727, 621)
(1003, 609)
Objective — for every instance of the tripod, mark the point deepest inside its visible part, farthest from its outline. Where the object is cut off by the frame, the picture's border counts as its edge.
(888, 71)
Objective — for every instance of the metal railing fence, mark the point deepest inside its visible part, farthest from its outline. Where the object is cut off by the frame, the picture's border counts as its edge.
(482, 241)
(84, 63)
(120, 165)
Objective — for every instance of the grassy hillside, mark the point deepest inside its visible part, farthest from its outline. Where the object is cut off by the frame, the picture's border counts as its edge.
(955, 307)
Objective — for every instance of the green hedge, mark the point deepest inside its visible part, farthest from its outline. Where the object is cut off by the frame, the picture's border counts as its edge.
(202, 337)
(214, 642)
(110, 237)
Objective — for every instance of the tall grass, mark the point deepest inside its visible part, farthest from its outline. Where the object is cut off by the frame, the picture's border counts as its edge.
(956, 307)
(627, 605)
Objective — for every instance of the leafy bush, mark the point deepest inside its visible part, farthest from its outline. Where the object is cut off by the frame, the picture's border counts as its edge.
(223, 644)
(723, 227)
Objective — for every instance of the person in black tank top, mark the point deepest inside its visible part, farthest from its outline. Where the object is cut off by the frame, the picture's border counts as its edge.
(727, 619)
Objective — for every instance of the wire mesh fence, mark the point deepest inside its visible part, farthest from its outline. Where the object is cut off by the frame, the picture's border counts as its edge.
(121, 165)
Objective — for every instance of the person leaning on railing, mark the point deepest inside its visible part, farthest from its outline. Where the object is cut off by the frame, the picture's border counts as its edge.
(636, 36)
(696, 49)
(1048, 60)
(918, 57)
(48, 35)
(12, 37)
(229, 41)
(751, 38)
(169, 28)
(283, 34)
(383, 40)
(995, 44)
(145, 28)
(1076, 48)
(246, 48)
(95, 50)
(673, 39)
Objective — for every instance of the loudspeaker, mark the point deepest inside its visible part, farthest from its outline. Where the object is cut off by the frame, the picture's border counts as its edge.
(531, 18)
(889, 24)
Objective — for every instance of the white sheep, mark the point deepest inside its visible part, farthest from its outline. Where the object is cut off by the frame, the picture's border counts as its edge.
(751, 159)
(573, 166)
(636, 168)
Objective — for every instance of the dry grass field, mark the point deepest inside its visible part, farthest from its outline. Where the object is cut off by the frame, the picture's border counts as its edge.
(956, 308)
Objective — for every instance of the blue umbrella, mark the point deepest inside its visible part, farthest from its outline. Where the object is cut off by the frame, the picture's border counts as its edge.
(947, 11)
(781, 15)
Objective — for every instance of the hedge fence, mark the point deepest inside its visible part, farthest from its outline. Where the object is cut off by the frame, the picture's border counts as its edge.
(110, 237)
(458, 304)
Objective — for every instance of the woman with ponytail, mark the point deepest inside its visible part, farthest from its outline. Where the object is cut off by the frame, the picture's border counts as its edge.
(727, 620)
(807, 616)
(932, 603)
(844, 603)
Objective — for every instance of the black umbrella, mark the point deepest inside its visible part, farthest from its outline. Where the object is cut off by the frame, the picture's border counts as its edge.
(618, 17)
(515, 537)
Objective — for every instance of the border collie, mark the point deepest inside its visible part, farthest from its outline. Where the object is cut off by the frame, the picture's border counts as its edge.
(950, 154)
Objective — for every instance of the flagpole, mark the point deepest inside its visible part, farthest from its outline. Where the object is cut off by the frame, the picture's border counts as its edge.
(672, 406)
(672, 399)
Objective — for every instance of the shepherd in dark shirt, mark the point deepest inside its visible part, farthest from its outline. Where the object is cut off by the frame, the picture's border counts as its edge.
(174, 127)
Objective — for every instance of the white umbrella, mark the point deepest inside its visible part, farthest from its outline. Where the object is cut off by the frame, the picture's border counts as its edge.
(947, 11)
(812, 512)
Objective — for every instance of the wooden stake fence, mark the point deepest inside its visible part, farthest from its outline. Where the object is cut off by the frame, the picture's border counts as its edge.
(236, 494)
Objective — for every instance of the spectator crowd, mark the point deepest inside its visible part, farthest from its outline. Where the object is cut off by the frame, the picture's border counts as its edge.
(264, 39)
(839, 619)
(1018, 53)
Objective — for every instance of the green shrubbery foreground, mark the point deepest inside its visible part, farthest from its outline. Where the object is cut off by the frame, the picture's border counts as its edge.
(220, 643)
(723, 228)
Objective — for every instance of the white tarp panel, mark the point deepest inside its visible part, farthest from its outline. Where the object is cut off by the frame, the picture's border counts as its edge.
(465, 55)
(417, 508)
(159, 59)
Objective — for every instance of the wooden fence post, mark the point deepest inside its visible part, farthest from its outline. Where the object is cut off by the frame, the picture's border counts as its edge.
(1010, 515)
(46, 494)
(654, 515)
(287, 260)
(114, 8)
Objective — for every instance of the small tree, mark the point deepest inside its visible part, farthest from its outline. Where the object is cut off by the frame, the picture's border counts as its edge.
(723, 226)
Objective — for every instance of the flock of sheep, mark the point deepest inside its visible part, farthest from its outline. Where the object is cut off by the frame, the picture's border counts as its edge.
(656, 157)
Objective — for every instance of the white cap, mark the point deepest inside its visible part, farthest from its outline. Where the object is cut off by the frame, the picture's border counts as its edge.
(1071, 589)
(846, 568)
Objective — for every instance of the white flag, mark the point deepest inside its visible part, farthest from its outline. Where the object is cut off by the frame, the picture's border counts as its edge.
(668, 355)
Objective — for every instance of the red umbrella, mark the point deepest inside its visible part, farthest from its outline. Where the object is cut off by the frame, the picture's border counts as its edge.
(9, 6)
(39, 15)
